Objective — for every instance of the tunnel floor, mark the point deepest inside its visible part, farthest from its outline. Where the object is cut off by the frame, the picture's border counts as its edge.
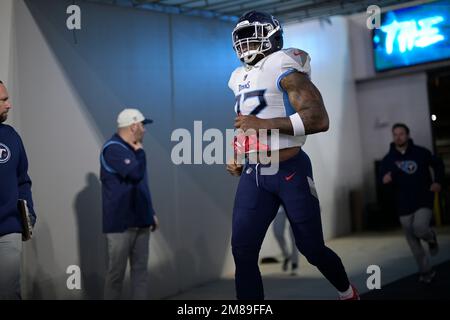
(388, 250)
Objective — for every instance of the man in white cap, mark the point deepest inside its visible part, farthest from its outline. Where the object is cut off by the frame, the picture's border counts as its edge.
(128, 214)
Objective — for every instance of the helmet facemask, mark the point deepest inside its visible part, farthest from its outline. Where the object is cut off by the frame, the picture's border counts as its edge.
(251, 40)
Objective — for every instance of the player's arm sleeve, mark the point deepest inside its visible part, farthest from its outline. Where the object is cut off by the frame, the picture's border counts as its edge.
(24, 182)
(127, 164)
(293, 60)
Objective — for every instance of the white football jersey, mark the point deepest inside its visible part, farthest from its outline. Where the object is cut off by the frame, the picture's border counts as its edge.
(258, 91)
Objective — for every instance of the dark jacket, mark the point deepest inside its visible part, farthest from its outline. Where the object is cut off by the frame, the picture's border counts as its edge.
(15, 183)
(127, 202)
(411, 177)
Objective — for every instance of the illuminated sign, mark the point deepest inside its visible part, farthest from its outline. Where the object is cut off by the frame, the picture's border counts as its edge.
(413, 35)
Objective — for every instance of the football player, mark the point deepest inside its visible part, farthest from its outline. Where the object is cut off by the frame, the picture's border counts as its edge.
(273, 91)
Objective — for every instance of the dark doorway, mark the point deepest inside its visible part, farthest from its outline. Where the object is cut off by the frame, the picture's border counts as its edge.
(439, 98)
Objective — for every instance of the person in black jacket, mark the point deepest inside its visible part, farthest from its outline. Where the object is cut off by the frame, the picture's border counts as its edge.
(15, 184)
(407, 167)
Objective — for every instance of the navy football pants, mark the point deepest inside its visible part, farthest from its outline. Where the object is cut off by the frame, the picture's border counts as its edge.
(256, 204)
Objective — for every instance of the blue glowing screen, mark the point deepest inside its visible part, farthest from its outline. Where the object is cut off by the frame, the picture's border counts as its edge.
(413, 35)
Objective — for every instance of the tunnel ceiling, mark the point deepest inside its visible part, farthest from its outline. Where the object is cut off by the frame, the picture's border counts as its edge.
(284, 10)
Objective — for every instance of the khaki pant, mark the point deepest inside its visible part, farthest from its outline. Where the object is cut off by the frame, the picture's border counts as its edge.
(10, 257)
(133, 245)
(417, 228)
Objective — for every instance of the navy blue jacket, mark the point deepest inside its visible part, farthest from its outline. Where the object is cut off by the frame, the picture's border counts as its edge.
(127, 202)
(15, 183)
(411, 177)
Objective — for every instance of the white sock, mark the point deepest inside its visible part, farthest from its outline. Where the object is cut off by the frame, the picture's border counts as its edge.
(346, 294)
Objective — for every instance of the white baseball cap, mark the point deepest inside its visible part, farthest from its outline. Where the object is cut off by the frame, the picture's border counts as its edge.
(129, 116)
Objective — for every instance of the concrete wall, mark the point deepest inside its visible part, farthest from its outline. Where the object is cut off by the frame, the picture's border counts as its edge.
(72, 85)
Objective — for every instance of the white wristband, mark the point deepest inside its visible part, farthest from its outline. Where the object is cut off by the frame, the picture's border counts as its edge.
(297, 124)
